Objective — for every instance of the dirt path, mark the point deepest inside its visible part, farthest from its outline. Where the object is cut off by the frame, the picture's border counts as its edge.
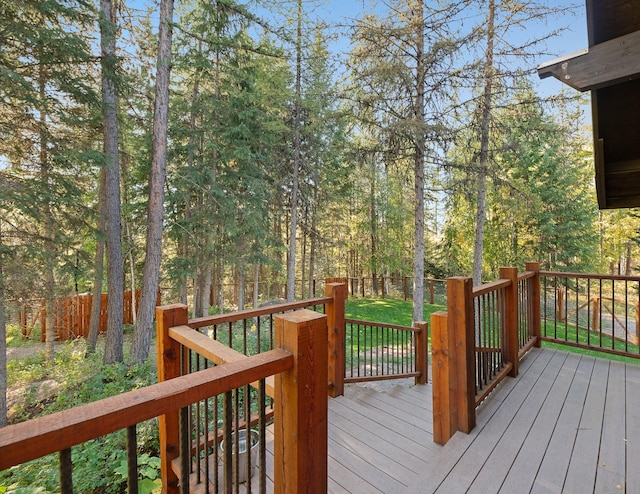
(20, 352)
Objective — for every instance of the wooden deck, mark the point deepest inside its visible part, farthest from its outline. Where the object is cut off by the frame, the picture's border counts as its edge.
(568, 423)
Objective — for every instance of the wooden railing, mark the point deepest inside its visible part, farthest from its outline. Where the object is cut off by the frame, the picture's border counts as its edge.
(189, 345)
(377, 351)
(191, 439)
(595, 312)
(294, 373)
(59, 432)
(223, 375)
(478, 342)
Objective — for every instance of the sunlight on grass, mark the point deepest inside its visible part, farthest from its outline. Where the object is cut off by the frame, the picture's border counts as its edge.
(390, 311)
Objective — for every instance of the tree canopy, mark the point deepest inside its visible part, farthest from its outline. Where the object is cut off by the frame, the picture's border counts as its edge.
(284, 163)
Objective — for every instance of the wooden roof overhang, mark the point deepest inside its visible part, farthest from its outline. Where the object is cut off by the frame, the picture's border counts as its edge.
(610, 69)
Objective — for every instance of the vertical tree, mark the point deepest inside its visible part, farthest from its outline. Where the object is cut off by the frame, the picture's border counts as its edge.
(297, 156)
(485, 123)
(3, 340)
(151, 273)
(401, 81)
(115, 272)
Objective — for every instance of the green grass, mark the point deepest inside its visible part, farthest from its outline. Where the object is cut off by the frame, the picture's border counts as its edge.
(390, 311)
(567, 332)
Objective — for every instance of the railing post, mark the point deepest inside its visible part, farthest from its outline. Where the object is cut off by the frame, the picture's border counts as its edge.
(461, 338)
(511, 318)
(300, 405)
(560, 305)
(422, 351)
(595, 315)
(442, 386)
(534, 301)
(637, 322)
(169, 367)
(336, 328)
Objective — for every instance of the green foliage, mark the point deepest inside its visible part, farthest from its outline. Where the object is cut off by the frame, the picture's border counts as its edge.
(148, 470)
(83, 378)
(540, 197)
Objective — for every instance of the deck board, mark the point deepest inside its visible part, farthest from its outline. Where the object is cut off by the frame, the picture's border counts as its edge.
(611, 460)
(585, 452)
(632, 434)
(532, 452)
(552, 472)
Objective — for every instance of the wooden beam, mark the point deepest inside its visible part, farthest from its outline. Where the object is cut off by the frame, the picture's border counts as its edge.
(602, 65)
(212, 350)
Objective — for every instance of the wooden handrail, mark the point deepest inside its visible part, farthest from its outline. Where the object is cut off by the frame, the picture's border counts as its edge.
(35, 438)
(490, 287)
(614, 277)
(212, 350)
(525, 275)
(201, 322)
(382, 325)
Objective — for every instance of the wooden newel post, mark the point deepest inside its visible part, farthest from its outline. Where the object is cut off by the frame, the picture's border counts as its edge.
(442, 387)
(638, 322)
(422, 352)
(461, 340)
(535, 320)
(511, 318)
(560, 305)
(169, 367)
(336, 327)
(300, 405)
(595, 314)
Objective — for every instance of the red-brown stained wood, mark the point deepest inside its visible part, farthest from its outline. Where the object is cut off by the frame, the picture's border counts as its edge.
(169, 368)
(336, 325)
(443, 427)
(534, 300)
(595, 315)
(511, 318)
(461, 350)
(301, 405)
(422, 352)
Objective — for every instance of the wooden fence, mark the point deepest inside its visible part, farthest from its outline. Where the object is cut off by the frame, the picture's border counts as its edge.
(72, 315)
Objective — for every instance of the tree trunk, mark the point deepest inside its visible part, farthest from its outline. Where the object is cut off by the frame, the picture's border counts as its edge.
(256, 285)
(96, 299)
(627, 264)
(484, 148)
(151, 272)
(3, 345)
(115, 267)
(49, 243)
(291, 260)
(373, 225)
(132, 273)
(419, 151)
(314, 241)
(240, 288)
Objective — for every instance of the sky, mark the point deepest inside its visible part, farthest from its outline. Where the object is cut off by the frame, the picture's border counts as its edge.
(571, 39)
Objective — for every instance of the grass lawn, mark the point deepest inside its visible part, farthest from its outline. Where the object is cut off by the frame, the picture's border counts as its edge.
(390, 311)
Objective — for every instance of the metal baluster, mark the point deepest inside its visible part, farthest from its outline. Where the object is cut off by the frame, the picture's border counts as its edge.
(132, 459)
(66, 472)
(262, 426)
(185, 447)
